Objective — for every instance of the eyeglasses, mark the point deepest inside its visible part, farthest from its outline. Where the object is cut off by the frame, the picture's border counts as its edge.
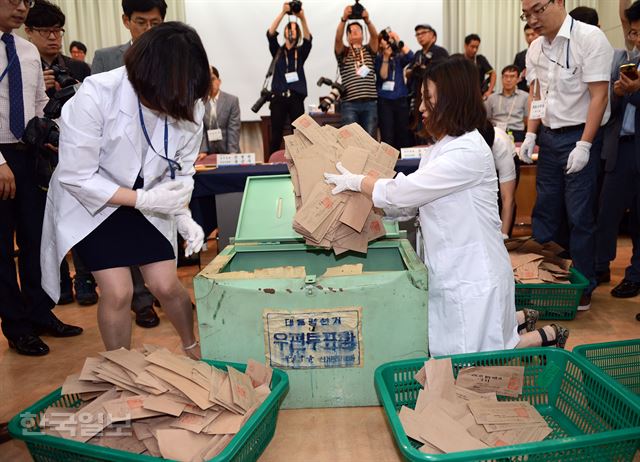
(140, 22)
(27, 3)
(45, 32)
(633, 34)
(537, 12)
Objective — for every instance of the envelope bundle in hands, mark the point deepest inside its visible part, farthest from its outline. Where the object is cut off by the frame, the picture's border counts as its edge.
(465, 414)
(345, 221)
(535, 263)
(152, 401)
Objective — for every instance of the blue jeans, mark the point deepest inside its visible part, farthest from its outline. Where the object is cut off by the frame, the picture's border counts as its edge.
(567, 199)
(364, 113)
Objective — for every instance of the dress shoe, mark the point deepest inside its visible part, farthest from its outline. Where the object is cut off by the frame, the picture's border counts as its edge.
(66, 295)
(147, 317)
(85, 291)
(603, 276)
(626, 289)
(585, 302)
(29, 345)
(59, 329)
(4, 432)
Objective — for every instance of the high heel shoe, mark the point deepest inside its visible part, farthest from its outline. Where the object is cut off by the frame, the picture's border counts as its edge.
(530, 319)
(562, 334)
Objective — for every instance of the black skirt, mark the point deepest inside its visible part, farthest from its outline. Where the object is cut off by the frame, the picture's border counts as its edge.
(125, 238)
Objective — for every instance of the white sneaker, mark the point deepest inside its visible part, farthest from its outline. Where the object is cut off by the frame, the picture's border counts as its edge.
(585, 302)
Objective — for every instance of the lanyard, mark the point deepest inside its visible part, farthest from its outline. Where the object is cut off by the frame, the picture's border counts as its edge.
(513, 104)
(213, 114)
(295, 58)
(173, 165)
(391, 60)
(355, 59)
(6, 69)
(556, 61)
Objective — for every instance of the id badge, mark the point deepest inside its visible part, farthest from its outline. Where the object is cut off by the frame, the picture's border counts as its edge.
(363, 71)
(538, 109)
(215, 134)
(388, 85)
(502, 126)
(291, 77)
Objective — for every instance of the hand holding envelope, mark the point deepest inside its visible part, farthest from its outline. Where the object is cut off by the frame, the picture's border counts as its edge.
(346, 181)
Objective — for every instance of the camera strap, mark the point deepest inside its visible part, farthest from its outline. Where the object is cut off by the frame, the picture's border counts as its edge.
(295, 57)
(357, 63)
(173, 165)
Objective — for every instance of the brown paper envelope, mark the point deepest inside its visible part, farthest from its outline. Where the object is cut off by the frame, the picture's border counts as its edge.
(528, 270)
(73, 385)
(226, 423)
(218, 447)
(87, 373)
(152, 446)
(199, 395)
(127, 443)
(317, 208)
(260, 373)
(421, 377)
(354, 159)
(440, 430)
(131, 360)
(310, 129)
(195, 423)
(141, 430)
(356, 211)
(504, 412)
(503, 380)
(113, 370)
(224, 397)
(321, 231)
(164, 405)
(412, 427)
(182, 445)
(241, 389)
(356, 242)
(440, 381)
(374, 227)
(121, 410)
(519, 259)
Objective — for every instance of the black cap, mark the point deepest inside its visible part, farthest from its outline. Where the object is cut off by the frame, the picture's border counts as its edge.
(426, 26)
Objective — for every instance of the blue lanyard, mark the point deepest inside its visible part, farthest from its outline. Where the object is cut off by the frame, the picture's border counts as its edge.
(6, 69)
(173, 165)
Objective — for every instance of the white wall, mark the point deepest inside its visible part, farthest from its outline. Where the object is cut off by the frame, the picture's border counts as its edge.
(234, 34)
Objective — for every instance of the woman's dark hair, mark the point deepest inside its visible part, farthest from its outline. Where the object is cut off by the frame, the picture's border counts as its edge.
(44, 14)
(488, 132)
(459, 108)
(169, 70)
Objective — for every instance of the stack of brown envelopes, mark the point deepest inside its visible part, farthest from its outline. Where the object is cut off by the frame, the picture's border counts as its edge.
(535, 263)
(345, 221)
(151, 401)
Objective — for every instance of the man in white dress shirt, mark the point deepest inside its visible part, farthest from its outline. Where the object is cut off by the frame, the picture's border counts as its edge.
(568, 70)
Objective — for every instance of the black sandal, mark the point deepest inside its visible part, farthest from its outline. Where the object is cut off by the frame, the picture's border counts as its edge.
(562, 334)
(530, 319)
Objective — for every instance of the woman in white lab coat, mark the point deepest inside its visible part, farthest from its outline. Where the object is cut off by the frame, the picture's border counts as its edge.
(128, 141)
(471, 285)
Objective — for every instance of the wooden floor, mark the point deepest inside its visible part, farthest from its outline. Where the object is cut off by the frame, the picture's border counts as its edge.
(343, 435)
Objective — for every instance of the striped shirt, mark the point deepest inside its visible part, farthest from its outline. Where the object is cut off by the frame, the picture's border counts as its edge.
(357, 87)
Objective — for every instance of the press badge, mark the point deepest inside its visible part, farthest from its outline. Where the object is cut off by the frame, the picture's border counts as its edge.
(388, 85)
(214, 134)
(363, 71)
(538, 109)
(291, 77)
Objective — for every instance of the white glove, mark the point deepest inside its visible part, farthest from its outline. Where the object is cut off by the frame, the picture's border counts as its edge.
(191, 232)
(579, 157)
(526, 149)
(347, 181)
(168, 198)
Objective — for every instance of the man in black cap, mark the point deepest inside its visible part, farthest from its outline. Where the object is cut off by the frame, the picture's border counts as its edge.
(429, 53)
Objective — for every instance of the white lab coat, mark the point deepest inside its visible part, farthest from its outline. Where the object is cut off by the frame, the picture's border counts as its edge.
(471, 286)
(100, 150)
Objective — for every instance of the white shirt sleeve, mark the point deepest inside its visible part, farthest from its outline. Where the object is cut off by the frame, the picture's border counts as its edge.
(503, 151)
(462, 167)
(598, 56)
(534, 49)
(2, 161)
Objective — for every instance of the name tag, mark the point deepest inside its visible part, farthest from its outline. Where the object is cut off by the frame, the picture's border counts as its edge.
(388, 85)
(214, 134)
(291, 77)
(363, 71)
(538, 109)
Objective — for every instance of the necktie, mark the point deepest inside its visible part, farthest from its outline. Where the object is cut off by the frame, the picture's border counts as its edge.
(16, 104)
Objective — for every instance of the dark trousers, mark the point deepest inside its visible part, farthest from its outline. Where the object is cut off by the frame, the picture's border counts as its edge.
(363, 112)
(81, 270)
(393, 121)
(620, 191)
(283, 107)
(26, 304)
(569, 199)
(518, 135)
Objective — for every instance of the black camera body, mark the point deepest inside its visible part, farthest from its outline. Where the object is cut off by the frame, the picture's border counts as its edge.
(395, 46)
(334, 94)
(295, 6)
(356, 10)
(62, 76)
(43, 131)
(265, 97)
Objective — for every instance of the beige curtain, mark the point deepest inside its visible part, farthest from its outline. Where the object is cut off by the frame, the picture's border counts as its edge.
(498, 24)
(98, 23)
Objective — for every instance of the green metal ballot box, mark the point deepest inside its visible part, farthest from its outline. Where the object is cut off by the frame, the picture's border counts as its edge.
(328, 320)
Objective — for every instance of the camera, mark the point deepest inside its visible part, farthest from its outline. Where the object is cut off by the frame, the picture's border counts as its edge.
(295, 6)
(62, 76)
(356, 10)
(43, 131)
(336, 90)
(395, 46)
(265, 96)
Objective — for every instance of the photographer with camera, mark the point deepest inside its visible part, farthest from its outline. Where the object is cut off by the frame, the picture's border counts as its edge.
(44, 27)
(289, 84)
(356, 64)
(393, 94)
